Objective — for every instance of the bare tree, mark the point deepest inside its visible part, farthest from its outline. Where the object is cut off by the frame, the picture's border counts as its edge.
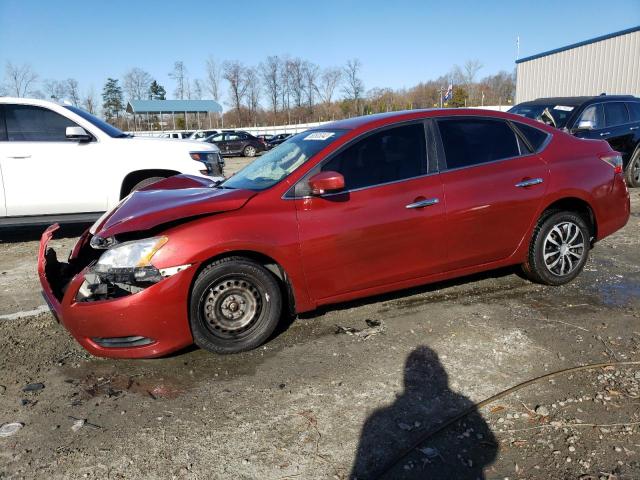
(252, 82)
(285, 86)
(354, 86)
(73, 92)
(295, 68)
(329, 81)
(20, 79)
(55, 90)
(136, 83)
(234, 74)
(213, 78)
(89, 102)
(270, 73)
(197, 90)
(311, 72)
(179, 74)
(471, 69)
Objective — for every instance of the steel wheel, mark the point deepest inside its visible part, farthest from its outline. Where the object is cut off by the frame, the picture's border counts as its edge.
(249, 151)
(564, 247)
(231, 306)
(633, 170)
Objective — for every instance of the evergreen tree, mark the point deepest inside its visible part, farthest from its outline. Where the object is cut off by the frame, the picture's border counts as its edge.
(157, 91)
(112, 98)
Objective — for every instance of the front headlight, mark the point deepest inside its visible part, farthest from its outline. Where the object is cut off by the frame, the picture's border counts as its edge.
(133, 254)
(204, 156)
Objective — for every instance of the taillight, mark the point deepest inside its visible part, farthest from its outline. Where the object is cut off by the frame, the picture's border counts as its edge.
(613, 159)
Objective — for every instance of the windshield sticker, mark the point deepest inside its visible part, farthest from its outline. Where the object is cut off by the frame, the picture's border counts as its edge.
(322, 136)
(563, 108)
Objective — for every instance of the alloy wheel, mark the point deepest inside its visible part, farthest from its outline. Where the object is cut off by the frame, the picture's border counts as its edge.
(564, 248)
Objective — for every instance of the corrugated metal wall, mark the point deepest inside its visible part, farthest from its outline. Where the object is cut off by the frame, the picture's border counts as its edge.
(611, 66)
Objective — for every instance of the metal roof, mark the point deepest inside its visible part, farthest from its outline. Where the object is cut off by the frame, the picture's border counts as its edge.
(580, 44)
(169, 106)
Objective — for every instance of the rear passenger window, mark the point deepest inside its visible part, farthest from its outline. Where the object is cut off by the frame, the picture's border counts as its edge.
(35, 124)
(615, 113)
(394, 154)
(475, 141)
(634, 111)
(594, 116)
(535, 137)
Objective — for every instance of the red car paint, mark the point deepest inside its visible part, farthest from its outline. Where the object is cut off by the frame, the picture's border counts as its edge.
(340, 251)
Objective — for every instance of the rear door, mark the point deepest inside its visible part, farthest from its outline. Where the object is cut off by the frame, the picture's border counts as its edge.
(493, 187)
(387, 226)
(617, 129)
(235, 142)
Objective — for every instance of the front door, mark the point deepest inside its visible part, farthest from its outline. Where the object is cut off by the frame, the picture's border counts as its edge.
(45, 173)
(387, 226)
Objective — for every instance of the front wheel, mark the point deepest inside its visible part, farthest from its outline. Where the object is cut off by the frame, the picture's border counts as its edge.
(235, 306)
(559, 249)
(632, 172)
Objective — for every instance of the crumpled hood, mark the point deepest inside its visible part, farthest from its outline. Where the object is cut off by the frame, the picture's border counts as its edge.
(174, 198)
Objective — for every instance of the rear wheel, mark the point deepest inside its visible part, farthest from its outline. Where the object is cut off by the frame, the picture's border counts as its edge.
(145, 183)
(249, 151)
(235, 306)
(559, 248)
(632, 172)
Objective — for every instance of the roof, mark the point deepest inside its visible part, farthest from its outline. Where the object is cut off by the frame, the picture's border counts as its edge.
(575, 101)
(169, 106)
(580, 44)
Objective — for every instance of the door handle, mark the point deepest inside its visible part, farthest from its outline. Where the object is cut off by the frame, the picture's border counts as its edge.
(605, 133)
(633, 128)
(529, 182)
(19, 156)
(423, 203)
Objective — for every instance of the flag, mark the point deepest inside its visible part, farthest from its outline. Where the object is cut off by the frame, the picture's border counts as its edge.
(449, 94)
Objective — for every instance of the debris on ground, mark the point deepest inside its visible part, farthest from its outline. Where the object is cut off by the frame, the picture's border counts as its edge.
(9, 429)
(33, 387)
(374, 327)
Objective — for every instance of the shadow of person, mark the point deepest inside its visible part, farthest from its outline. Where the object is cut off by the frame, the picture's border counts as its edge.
(461, 450)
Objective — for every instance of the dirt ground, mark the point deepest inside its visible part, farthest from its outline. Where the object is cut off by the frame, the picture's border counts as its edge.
(321, 399)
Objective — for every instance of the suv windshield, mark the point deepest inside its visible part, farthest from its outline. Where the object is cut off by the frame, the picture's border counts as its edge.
(554, 115)
(104, 126)
(276, 164)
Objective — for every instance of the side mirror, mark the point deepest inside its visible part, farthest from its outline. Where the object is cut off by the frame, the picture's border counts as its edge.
(325, 182)
(586, 125)
(77, 134)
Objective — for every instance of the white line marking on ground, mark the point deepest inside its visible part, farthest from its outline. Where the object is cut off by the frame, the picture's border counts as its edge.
(29, 313)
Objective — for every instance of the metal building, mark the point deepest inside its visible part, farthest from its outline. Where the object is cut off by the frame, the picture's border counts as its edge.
(608, 64)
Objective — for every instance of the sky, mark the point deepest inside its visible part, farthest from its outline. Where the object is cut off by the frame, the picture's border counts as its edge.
(399, 43)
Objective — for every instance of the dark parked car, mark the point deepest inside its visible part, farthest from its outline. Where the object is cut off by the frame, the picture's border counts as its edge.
(614, 118)
(266, 138)
(356, 208)
(237, 143)
(277, 139)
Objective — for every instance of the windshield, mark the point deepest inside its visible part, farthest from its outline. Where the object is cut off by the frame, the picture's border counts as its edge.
(96, 122)
(554, 115)
(276, 164)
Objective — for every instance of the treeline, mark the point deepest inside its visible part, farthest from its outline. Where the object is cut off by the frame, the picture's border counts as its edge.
(279, 90)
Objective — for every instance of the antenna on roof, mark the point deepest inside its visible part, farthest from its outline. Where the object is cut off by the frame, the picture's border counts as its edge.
(603, 94)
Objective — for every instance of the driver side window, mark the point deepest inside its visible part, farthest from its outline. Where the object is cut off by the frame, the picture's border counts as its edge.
(27, 123)
(593, 114)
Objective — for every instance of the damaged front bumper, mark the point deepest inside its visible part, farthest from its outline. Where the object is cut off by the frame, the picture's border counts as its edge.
(150, 322)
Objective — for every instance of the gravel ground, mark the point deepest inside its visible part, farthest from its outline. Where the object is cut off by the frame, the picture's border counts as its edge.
(351, 386)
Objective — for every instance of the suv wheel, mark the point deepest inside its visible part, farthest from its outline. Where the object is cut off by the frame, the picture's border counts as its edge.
(235, 306)
(559, 249)
(145, 183)
(249, 151)
(632, 173)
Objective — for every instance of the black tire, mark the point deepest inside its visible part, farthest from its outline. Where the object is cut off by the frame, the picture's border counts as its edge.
(632, 172)
(220, 293)
(549, 268)
(249, 151)
(145, 183)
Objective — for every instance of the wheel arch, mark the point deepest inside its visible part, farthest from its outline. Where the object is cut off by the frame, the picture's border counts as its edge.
(138, 175)
(577, 205)
(284, 280)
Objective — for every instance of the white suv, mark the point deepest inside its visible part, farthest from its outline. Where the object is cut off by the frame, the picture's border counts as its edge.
(60, 162)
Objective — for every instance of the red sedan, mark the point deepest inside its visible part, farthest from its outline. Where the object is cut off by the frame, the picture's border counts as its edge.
(356, 208)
